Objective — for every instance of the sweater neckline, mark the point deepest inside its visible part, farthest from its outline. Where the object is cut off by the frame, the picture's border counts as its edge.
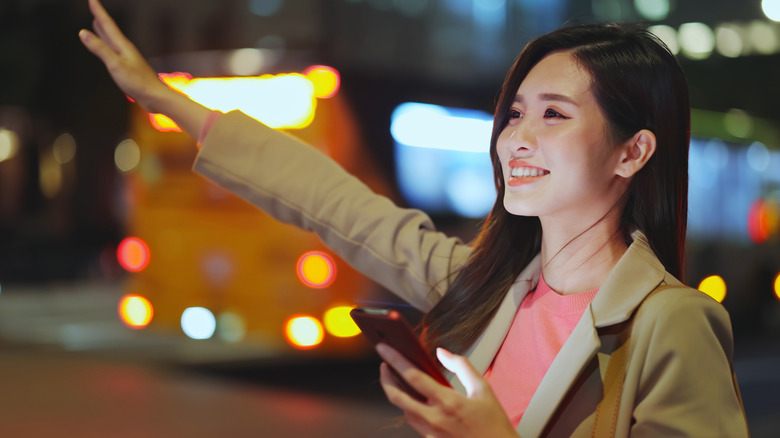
(556, 303)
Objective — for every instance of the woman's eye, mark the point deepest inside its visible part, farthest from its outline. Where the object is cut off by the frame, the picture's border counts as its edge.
(515, 114)
(550, 113)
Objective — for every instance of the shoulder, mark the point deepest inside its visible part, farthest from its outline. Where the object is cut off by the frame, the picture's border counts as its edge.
(681, 315)
(672, 299)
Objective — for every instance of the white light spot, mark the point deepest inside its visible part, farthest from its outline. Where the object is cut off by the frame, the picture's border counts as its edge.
(9, 144)
(728, 41)
(762, 37)
(653, 9)
(668, 35)
(771, 9)
(246, 62)
(432, 126)
(127, 155)
(198, 323)
(696, 40)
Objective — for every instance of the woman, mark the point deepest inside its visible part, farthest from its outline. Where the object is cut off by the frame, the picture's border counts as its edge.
(589, 148)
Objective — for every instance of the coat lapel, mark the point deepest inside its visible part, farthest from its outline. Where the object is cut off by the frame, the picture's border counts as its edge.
(484, 349)
(636, 274)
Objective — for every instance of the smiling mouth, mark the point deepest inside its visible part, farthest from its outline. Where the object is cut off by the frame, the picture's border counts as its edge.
(527, 172)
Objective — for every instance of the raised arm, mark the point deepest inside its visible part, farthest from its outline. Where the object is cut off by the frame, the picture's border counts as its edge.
(133, 74)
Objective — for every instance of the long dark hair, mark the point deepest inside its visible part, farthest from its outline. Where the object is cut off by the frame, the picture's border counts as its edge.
(639, 85)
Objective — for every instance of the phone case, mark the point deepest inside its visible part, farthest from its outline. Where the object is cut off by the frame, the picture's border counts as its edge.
(390, 327)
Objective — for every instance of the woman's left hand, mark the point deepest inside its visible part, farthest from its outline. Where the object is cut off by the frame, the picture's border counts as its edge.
(445, 413)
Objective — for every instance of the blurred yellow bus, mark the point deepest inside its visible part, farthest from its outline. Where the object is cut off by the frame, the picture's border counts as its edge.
(204, 263)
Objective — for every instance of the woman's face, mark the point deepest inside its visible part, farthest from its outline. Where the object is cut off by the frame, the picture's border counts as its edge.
(555, 155)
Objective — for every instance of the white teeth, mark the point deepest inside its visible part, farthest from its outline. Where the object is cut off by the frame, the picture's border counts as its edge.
(523, 172)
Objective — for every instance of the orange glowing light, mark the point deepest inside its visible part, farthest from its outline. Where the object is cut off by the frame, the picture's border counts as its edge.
(339, 323)
(135, 311)
(163, 123)
(304, 332)
(316, 269)
(763, 220)
(714, 286)
(777, 286)
(133, 254)
(758, 224)
(326, 80)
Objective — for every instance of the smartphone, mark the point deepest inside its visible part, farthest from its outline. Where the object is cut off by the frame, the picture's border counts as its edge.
(390, 327)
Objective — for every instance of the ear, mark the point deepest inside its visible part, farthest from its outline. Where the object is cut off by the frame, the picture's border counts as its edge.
(636, 151)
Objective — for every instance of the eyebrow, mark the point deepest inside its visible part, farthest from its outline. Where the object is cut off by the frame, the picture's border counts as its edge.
(547, 97)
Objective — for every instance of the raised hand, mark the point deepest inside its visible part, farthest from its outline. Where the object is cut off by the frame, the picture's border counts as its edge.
(124, 62)
(135, 76)
(445, 413)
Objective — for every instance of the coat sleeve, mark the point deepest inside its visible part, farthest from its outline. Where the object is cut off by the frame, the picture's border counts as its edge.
(295, 183)
(686, 385)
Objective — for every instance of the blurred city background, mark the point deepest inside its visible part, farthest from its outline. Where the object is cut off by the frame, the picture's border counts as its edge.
(137, 299)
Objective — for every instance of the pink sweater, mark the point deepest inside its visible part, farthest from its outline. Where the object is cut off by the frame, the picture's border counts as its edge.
(542, 324)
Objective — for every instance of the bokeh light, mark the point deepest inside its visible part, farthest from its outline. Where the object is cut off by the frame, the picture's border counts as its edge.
(133, 254)
(728, 41)
(245, 62)
(198, 323)
(316, 269)
(738, 123)
(777, 286)
(653, 9)
(771, 9)
(758, 156)
(763, 38)
(49, 175)
(127, 155)
(763, 220)
(135, 311)
(326, 80)
(9, 144)
(265, 8)
(339, 323)
(438, 127)
(696, 40)
(304, 332)
(668, 35)
(231, 327)
(714, 286)
(64, 148)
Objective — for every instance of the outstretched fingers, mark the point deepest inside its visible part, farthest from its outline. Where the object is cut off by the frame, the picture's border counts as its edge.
(106, 28)
(98, 47)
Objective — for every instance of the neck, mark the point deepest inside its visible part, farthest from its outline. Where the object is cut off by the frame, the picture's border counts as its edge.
(577, 258)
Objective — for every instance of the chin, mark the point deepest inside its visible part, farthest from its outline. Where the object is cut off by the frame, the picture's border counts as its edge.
(518, 209)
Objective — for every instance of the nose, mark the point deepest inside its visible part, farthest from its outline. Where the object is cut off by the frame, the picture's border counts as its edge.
(520, 141)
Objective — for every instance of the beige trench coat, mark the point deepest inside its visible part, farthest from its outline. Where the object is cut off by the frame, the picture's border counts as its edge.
(679, 378)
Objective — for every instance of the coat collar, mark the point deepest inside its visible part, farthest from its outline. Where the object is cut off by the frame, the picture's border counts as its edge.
(635, 275)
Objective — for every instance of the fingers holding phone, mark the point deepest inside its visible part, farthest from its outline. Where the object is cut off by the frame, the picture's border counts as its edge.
(399, 373)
